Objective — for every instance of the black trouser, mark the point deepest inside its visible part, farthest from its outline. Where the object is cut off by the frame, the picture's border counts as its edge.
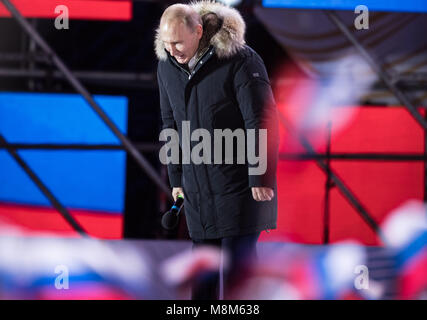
(239, 249)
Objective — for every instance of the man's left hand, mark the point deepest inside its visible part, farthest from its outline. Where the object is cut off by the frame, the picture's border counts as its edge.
(262, 193)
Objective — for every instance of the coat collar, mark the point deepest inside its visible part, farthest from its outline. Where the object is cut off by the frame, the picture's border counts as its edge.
(204, 56)
(223, 28)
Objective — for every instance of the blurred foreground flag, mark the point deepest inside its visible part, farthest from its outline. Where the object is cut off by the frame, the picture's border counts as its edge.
(406, 230)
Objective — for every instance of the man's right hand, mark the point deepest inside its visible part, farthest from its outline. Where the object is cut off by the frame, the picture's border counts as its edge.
(176, 192)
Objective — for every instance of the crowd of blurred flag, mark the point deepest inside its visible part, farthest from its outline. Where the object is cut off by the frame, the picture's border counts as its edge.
(58, 268)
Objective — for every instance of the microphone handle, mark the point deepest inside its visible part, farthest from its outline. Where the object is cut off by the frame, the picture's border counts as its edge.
(176, 207)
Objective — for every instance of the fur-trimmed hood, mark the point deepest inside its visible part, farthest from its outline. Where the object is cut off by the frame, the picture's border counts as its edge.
(223, 27)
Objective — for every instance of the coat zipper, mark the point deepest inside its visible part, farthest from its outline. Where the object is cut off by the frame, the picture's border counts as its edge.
(188, 73)
(198, 119)
(208, 182)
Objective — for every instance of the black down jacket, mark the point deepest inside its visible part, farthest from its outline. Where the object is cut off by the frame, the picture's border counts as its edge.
(228, 88)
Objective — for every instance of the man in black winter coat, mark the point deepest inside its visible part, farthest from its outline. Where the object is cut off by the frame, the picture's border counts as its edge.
(210, 81)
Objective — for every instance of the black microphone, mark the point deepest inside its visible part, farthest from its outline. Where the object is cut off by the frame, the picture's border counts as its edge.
(170, 218)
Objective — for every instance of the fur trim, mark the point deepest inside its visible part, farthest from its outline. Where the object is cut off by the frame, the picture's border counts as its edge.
(228, 40)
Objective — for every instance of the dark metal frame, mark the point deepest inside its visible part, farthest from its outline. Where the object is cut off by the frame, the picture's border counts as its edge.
(285, 156)
(328, 186)
(111, 79)
(143, 147)
(378, 68)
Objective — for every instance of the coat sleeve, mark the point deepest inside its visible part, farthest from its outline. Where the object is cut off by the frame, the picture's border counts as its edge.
(174, 170)
(257, 105)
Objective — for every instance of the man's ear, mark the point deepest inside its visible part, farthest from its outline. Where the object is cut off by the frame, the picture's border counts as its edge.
(199, 31)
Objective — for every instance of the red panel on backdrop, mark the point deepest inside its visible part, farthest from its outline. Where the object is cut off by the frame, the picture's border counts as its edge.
(380, 129)
(379, 185)
(35, 219)
(77, 9)
(300, 194)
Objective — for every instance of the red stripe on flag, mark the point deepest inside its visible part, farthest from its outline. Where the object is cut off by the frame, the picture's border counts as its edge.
(30, 220)
(77, 9)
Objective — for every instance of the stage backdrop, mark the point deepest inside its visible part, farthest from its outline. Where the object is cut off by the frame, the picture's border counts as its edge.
(89, 183)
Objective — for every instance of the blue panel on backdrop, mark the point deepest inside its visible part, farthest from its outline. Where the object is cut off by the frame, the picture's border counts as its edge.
(374, 5)
(80, 179)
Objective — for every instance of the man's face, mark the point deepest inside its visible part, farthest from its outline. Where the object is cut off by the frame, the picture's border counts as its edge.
(180, 41)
